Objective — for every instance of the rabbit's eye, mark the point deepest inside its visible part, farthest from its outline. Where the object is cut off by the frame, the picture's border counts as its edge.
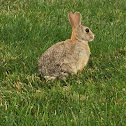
(87, 30)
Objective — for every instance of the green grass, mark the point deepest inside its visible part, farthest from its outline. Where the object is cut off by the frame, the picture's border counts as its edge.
(95, 97)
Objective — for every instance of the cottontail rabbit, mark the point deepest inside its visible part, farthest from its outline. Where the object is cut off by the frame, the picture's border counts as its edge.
(70, 56)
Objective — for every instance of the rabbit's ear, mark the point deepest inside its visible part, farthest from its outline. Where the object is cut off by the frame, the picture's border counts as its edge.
(71, 18)
(77, 17)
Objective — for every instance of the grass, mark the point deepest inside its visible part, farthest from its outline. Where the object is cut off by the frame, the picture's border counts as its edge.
(95, 97)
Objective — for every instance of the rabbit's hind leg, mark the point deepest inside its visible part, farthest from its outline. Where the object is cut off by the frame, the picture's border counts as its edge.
(49, 78)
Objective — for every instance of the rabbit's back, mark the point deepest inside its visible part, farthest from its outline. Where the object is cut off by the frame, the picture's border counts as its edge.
(48, 64)
(63, 58)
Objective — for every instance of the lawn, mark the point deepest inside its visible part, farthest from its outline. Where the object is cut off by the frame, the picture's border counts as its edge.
(94, 97)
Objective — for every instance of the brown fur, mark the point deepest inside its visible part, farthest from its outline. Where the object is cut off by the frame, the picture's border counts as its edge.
(67, 57)
(73, 38)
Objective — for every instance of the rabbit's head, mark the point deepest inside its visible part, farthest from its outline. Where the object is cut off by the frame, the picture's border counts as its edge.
(79, 31)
